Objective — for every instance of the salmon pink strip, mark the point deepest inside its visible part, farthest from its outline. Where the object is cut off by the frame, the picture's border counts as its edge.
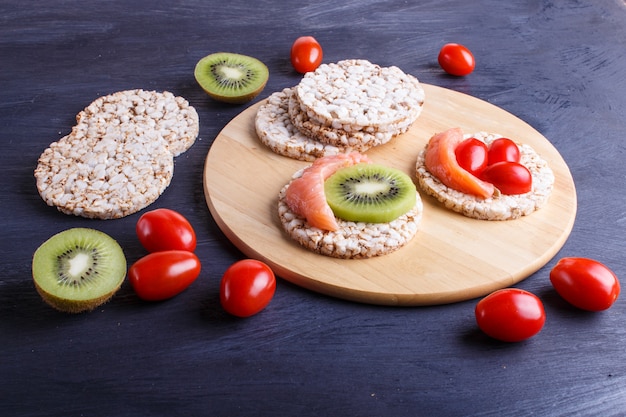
(305, 195)
(440, 160)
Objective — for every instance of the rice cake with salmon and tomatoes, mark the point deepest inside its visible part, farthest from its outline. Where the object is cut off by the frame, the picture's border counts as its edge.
(498, 206)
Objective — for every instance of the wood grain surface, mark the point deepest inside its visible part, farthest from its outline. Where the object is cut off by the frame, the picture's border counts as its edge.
(452, 258)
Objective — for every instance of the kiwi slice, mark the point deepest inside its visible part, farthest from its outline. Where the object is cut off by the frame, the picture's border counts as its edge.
(370, 193)
(78, 269)
(232, 78)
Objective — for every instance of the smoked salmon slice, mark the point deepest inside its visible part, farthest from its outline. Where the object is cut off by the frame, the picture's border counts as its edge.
(440, 160)
(305, 195)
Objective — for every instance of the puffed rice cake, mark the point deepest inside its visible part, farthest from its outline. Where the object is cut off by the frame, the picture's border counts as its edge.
(170, 116)
(276, 130)
(500, 206)
(104, 176)
(355, 94)
(360, 139)
(353, 240)
(119, 157)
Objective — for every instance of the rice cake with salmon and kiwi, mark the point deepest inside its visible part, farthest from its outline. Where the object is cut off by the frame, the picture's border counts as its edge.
(347, 207)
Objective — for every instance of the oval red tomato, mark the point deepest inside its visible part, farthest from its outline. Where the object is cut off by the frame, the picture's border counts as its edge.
(456, 59)
(510, 315)
(510, 178)
(247, 287)
(306, 54)
(503, 149)
(585, 283)
(162, 275)
(165, 229)
(471, 155)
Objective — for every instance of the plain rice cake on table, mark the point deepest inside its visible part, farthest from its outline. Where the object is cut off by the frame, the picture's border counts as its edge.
(499, 206)
(168, 115)
(104, 176)
(119, 157)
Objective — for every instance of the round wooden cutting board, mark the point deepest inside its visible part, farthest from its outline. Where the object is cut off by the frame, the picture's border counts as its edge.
(452, 258)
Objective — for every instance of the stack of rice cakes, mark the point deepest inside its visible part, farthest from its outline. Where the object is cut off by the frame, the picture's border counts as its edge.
(351, 105)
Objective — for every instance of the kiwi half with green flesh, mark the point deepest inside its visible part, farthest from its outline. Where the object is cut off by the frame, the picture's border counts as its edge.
(370, 193)
(78, 269)
(231, 78)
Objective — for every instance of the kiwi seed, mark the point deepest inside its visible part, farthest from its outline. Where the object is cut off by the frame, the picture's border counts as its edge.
(78, 269)
(232, 78)
(370, 193)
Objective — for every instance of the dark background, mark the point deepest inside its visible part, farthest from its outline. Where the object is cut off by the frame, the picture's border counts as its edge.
(558, 65)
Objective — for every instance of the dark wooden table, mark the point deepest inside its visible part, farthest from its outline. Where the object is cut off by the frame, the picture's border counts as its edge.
(560, 66)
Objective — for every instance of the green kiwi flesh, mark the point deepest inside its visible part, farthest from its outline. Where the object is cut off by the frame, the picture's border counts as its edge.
(78, 269)
(370, 193)
(231, 78)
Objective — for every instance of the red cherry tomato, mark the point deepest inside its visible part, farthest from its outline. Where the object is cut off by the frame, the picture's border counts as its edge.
(162, 275)
(503, 149)
(585, 283)
(247, 287)
(510, 315)
(306, 54)
(456, 59)
(510, 178)
(471, 155)
(165, 229)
